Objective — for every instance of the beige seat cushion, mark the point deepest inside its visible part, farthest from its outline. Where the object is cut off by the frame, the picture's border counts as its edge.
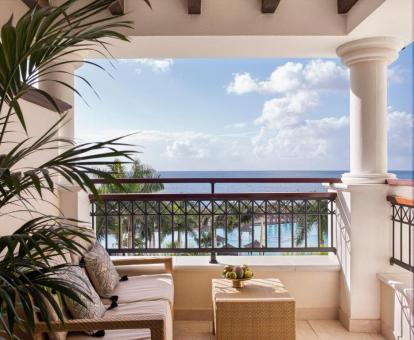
(139, 269)
(145, 308)
(145, 288)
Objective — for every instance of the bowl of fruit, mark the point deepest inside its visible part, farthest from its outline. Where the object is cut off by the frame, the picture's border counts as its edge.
(237, 274)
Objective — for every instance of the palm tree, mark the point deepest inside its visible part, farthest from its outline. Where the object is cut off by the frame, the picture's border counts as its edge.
(119, 170)
(138, 171)
(310, 221)
(33, 47)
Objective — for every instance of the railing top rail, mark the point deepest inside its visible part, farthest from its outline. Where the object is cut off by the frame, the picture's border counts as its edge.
(222, 180)
(398, 200)
(219, 196)
(401, 182)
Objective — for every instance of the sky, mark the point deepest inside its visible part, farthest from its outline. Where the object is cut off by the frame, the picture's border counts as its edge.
(237, 114)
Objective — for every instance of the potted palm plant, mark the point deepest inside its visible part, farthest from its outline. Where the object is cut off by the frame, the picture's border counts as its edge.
(29, 48)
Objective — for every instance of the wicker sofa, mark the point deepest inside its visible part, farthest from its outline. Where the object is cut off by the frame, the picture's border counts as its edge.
(145, 305)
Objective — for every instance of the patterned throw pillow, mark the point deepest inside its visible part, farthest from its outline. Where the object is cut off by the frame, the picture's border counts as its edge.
(101, 270)
(92, 308)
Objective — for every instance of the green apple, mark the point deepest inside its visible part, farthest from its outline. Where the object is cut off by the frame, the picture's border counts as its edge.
(231, 275)
(228, 268)
(248, 274)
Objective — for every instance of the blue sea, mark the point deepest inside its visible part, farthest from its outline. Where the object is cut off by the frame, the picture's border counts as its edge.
(254, 187)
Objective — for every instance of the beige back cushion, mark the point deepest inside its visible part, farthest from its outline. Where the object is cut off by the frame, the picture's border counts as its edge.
(101, 270)
(87, 245)
(57, 260)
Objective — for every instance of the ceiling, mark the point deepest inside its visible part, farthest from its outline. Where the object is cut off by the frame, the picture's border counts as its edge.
(253, 28)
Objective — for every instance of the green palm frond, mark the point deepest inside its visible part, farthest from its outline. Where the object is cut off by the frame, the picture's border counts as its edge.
(44, 238)
(31, 51)
(26, 287)
(44, 39)
(77, 164)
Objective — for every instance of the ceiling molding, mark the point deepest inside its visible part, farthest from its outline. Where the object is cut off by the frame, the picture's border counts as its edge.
(194, 6)
(269, 6)
(345, 5)
(37, 98)
(118, 7)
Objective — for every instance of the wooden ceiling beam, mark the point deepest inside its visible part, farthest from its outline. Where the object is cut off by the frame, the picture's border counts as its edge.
(345, 5)
(194, 6)
(33, 3)
(118, 7)
(269, 6)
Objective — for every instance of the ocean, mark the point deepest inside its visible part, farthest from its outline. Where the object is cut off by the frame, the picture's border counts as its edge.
(254, 187)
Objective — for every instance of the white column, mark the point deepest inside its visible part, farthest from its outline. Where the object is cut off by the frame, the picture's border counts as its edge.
(367, 60)
(65, 73)
(71, 200)
(363, 213)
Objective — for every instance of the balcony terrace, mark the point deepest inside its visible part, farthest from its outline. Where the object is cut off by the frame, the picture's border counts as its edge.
(298, 237)
(342, 256)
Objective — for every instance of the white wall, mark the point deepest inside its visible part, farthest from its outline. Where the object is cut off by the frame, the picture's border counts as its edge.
(364, 243)
(38, 120)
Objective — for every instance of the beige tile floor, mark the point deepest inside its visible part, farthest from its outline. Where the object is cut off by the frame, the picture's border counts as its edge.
(305, 330)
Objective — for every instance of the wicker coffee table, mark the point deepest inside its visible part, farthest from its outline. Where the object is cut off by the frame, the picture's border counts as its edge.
(263, 309)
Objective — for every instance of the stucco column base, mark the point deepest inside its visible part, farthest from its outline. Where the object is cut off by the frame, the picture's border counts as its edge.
(353, 178)
(359, 325)
(363, 237)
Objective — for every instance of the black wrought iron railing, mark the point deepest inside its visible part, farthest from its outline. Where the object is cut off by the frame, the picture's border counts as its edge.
(402, 232)
(210, 223)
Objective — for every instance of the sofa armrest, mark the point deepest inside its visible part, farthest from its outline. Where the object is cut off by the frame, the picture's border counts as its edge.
(136, 260)
(153, 322)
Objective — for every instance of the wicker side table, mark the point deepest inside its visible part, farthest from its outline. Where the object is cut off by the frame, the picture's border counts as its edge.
(262, 310)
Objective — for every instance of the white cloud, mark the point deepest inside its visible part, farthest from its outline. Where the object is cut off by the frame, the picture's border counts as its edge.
(157, 65)
(308, 139)
(283, 135)
(400, 139)
(189, 146)
(308, 144)
(315, 75)
(397, 75)
(286, 111)
(184, 150)
(242, 83)
(287, 77)
(236, 126)
(286, 135)
(177, 145)
(400, 131)
(325, 75)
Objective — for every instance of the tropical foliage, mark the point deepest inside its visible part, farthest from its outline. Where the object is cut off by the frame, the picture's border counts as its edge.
(119, 170)
(31, 50)
(193, 223)
(138, 170)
